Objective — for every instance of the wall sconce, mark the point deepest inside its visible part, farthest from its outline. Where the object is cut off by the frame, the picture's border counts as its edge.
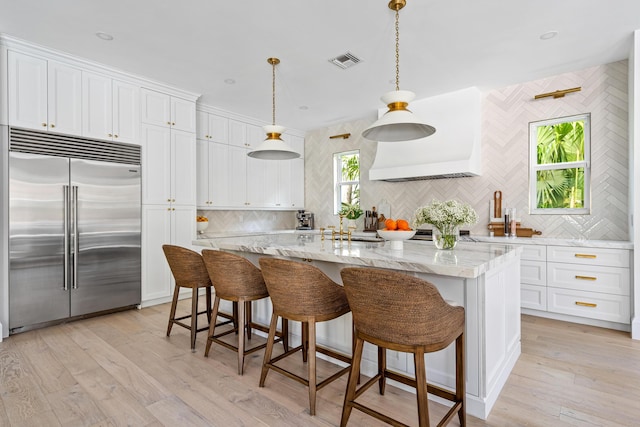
(342, 135)
(558, 93)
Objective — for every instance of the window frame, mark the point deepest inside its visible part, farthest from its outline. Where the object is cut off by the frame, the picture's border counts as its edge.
(338, 184)
(534, 168)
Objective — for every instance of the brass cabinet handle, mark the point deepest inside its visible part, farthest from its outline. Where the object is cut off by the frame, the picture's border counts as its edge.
(115, 136)
(109, 135)
(52, 125)
(169, 123)
(586, 256)
(586, 278)
(44, 125)
(173, 124)
(586, 304)
(169, 200)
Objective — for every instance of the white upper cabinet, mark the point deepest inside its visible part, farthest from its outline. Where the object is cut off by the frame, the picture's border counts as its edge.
(255, 135)
(211, 127)
(164, 110)
(237, 133)
(169, 166)
(44, 95)
(110, 109)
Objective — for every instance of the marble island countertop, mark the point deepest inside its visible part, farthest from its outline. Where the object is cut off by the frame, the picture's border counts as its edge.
(467, 260)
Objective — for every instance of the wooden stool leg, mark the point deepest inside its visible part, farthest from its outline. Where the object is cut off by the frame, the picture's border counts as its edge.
(461, 393)
(311, 328)
(172, 312)
(382, 368)
(241, 331)
(354, 375)
(269, 349)
(305, 341)
(212, 325)
(208, 296)
(421, 388)
(285, 334)
(194, 317)
(249, 318)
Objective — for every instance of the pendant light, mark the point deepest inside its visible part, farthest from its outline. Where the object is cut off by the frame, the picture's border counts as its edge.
(398, 124)
(273, 147)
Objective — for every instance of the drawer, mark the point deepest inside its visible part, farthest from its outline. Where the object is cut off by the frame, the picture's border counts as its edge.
(613, 308)
(533, 296)
(592, 278)
(534, 252)
(588, 256)
(533, 272)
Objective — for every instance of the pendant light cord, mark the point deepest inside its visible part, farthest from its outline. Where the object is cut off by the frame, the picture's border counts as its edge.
(273, 96)
(397, 49)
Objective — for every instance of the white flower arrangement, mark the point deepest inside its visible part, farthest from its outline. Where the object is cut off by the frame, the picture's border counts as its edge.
(443, 214)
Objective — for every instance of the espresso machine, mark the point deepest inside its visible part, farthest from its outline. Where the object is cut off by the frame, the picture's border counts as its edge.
(304, 220)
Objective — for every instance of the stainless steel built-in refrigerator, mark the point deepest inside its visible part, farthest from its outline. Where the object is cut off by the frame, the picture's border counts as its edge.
(74, 227)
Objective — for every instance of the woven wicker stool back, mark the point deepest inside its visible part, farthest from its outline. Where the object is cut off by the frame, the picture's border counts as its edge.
(234, 276)
(401, 309)
(300, 291)
(403, 313)
(188, 271)
(236, 279)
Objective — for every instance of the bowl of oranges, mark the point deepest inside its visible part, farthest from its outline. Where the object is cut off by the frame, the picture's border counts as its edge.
(202, 222)
(396, 231)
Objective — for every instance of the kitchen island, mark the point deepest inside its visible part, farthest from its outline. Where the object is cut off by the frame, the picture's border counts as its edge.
(484, 278)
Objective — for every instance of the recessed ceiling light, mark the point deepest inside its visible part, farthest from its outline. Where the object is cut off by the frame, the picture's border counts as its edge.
(104, 36)
(548, 35)
(303, 107)
(230, 81)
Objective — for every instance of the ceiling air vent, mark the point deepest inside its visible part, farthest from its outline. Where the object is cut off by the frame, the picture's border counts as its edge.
(346, 60)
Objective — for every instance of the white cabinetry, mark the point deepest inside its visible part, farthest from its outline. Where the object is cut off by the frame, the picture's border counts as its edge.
(44, 94)
(589, 282)
(163, 225)
(533, 277)
(229, 179)
(110, 109)
(580, 284)
(211, 127)
(164, 110)
(168, 166)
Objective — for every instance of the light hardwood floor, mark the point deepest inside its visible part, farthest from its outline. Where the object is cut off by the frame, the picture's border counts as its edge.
(120, 369)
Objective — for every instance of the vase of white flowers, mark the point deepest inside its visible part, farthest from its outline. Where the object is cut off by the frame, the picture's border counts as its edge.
(446, 218)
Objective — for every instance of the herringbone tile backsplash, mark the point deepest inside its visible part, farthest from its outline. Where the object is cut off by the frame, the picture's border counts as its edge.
(506, 114)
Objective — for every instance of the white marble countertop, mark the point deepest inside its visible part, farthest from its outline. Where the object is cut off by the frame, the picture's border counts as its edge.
(535, 240)
(467, 260)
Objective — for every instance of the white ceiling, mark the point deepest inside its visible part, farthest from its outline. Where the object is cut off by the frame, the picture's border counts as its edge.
(444, 45)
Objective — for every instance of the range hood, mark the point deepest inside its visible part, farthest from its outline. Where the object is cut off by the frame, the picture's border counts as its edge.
(452, 152)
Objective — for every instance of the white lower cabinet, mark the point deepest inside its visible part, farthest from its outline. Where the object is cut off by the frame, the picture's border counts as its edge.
(581, 284)
(163, 225)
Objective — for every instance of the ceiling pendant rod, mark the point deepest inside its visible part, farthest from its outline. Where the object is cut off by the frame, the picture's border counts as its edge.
(398, 123)
(273, 147)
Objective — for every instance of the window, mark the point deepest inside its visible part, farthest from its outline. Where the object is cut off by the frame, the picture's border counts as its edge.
(346, 172)
(560, 165)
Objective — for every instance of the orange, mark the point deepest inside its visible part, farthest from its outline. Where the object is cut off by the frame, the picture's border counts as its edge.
(391, 224)
(403, 224)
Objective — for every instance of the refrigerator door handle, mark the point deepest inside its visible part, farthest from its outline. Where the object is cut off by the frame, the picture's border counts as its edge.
(65, 192)
(76, 244)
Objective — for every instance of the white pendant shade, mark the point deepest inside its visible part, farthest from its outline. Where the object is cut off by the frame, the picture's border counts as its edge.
(273, 148)
(398, 124)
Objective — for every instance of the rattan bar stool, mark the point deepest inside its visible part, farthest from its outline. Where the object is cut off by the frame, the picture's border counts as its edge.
(189, 271)
(236, 279)
(399, 312)
(301, 292)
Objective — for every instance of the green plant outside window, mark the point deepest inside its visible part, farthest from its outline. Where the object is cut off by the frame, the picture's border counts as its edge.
(559, 180)
(346, 168)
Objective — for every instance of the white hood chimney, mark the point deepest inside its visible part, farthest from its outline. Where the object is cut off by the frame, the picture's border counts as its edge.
(452, 152)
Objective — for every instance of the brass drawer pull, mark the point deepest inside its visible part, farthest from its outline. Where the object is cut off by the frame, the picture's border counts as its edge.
(586, 278)
(586, 256)
(586, 304)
